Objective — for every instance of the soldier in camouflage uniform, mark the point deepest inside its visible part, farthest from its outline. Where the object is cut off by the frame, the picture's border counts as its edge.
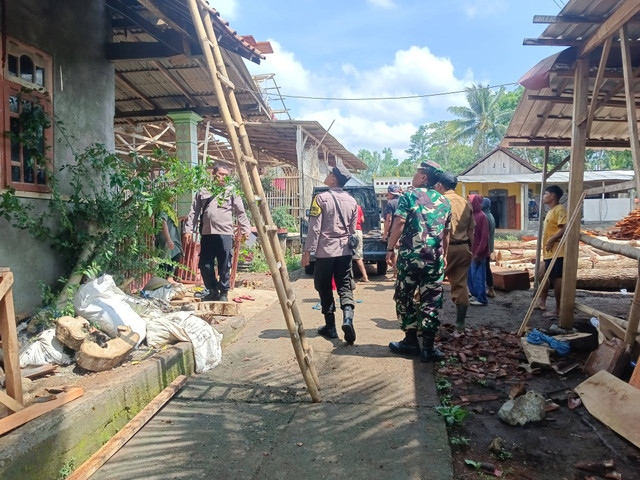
(422, 225)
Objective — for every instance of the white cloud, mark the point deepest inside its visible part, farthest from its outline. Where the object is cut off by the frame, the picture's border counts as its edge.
(482, 8)
(388, 4)
(369, 124)
(228, 9)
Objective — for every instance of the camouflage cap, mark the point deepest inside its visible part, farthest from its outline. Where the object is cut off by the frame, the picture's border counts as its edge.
(431, 165)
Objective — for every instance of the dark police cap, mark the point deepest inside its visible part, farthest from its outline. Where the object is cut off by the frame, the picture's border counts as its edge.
(341, 173)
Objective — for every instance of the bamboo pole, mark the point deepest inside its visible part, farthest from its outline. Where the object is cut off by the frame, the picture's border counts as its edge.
(545, 279)
(257, 203)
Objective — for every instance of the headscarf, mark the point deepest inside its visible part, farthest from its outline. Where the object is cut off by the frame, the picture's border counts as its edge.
(480, 246)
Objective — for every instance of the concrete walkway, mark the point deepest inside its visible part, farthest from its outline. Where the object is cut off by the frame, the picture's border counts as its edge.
(251, 418)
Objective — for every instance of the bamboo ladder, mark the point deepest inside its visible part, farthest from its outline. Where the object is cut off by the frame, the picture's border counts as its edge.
(247, 168)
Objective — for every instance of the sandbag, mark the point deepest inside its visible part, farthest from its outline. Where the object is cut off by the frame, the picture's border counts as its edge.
(102, 303)
(45, 349)
(186, 327)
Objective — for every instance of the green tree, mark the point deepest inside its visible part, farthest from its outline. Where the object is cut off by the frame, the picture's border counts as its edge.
(482, 122)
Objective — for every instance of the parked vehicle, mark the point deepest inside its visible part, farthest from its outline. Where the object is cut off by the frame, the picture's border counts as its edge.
(374, 248)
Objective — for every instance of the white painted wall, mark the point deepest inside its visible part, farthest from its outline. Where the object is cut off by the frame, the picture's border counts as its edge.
(606, 209)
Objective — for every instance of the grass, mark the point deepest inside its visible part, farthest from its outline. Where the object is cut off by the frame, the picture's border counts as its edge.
(454, 415)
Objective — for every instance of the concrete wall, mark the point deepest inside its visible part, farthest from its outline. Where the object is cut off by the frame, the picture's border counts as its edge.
(74, 34)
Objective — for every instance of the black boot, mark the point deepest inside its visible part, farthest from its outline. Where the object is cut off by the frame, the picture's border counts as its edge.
(328, 330)
(212, 296)
(461, 314)
(223, 296)
(347, 325)
(408, 346)
(429, 352)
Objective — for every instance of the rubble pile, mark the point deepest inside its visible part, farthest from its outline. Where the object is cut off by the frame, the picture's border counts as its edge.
(628, 228)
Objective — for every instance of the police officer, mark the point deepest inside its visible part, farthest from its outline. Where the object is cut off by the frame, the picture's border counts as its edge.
(217, 233)
(459, 252)
(332, 220)
(421, 224)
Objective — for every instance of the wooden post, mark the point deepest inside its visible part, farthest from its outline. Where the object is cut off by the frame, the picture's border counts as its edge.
(629, 90)
(576, 182)
(10, 346)
(543, 185)
(634, 314)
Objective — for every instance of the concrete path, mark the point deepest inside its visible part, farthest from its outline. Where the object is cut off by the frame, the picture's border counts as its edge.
(251, 418)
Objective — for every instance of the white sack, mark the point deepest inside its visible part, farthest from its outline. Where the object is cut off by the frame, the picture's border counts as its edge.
(186, 327)
(102, 303)
(45, 349)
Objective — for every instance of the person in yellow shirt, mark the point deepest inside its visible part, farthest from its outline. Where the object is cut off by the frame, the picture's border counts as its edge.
(554, 225)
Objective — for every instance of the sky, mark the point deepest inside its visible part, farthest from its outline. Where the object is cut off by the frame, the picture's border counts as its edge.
(387, 48)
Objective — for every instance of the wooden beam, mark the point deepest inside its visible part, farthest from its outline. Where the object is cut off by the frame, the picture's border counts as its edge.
(9, 335)
(598, 84)
(9, 402)
(630, 92)
(565, 19)
(576, 182)
(116, 442)
(569, 100)
(621, 15)
(569, 118)
(142, 51)
(616, 187)
(37, 409)
(539, 142)
(554, 42)
(557, 168)
(182, 29)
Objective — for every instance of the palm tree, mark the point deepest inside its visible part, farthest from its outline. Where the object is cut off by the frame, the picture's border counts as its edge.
(483, 121)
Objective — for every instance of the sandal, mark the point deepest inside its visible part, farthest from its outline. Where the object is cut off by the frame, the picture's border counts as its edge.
(238, 299)
(247, 297)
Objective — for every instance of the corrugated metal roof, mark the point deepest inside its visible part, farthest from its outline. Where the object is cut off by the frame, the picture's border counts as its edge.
(558, 177)
(544, 114)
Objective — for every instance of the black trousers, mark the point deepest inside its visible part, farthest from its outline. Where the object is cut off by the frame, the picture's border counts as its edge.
(216, 248)
(488, 272)
(338, 268)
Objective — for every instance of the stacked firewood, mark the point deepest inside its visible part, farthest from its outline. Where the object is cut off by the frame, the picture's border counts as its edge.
(628, 228)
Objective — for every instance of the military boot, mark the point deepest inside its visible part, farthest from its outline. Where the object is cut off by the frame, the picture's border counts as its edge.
(347, 325)
(408, 346)
(328, 330)
(461, 314)
(429, 352)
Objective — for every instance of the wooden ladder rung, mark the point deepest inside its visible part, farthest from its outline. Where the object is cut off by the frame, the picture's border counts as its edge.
(270, 228)
(249, 159)
(225, 81)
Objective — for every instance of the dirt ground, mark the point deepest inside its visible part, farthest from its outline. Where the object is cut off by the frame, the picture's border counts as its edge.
(488, 368)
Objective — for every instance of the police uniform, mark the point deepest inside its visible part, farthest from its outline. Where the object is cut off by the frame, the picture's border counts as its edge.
(329, 239)
(217, 237)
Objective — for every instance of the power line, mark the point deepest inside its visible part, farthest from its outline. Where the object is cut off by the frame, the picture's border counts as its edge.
(404, 97)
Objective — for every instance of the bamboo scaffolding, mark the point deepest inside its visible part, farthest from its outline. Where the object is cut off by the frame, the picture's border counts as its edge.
(250, 180)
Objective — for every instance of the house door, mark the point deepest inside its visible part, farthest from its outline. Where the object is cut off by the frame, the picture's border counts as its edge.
(499, 207)
(511, 212)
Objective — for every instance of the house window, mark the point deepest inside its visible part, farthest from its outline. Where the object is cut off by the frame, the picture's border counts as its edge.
(25, 112)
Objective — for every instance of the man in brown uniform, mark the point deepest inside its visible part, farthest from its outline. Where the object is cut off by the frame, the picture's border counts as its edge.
(459, 253)
(332, 219)
(217, 233)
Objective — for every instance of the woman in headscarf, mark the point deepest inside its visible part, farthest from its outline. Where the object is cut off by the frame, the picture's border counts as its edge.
(480, 252)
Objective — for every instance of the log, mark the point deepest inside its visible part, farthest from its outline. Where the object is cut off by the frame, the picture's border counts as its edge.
(228, 309)
(599, 279)
(621, 262)
(619, 248)
(515, 254)
(94, 358)
(72, 332)
(509, 244)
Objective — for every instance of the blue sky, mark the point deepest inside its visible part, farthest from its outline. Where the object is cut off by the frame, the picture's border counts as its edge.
(388, 48)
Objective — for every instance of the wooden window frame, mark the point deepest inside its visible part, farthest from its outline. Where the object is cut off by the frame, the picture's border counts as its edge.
(11, 86)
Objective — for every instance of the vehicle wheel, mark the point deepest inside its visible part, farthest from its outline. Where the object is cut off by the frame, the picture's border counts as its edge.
(382, 267)
(308, 269)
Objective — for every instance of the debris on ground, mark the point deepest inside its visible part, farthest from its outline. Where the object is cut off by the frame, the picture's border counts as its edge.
(529, 407)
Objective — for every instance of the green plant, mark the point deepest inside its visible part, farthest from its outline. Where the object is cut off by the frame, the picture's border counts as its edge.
(459, 441)
(283, 219)
(442, 384)
(503, 454)
(454, 415)
(67, 469)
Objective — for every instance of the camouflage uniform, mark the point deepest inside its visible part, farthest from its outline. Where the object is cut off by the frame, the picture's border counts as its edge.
(420, 258)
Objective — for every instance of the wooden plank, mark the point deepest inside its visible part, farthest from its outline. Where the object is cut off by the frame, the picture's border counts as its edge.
(10, 344)
(37, 409)
(116, 442)
(41, 371)
(610, 326)
(634, 381)
(614, 403)
(616, 187)
(576, 194)
(537, 355)
(629, 90)
(6, 280)
(10, 403)
(611, 25)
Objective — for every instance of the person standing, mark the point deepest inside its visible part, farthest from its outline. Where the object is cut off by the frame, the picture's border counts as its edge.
(393, 195)
(168, 241)
(479, 252)
(555, 223)
(215, 214)
(332, 220)
(358, 253)
(421, 225)
(486, 209)
(459, 252)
